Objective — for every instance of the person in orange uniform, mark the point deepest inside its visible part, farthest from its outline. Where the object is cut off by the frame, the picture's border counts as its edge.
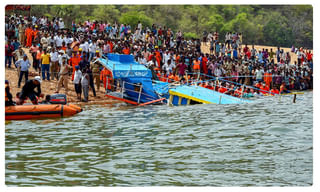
(196, 65)
(110, 45)
(74, 61)
(28, 34)
(267, 78)
(158, 56)
(104, 76)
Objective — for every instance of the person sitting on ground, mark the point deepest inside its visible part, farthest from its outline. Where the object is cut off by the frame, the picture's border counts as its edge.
(8, 95)
(28, 91)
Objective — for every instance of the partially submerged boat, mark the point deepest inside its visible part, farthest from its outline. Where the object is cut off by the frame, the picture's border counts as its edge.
(133, 83)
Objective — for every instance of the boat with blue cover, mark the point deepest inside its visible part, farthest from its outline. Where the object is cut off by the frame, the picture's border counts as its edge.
(135, 85)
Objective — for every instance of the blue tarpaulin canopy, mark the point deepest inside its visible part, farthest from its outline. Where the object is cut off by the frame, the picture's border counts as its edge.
(124, 66)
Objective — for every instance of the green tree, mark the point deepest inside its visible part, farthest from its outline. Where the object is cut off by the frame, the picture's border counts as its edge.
(133, 17)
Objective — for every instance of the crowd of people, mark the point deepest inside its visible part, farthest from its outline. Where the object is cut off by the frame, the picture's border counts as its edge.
(58, 51)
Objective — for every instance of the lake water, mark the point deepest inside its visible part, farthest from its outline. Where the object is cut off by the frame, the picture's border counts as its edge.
(264, 143)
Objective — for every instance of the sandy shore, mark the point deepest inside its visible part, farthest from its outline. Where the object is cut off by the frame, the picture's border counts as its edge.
(49, 87)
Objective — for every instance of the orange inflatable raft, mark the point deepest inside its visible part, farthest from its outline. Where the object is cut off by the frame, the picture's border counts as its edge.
(24, 112)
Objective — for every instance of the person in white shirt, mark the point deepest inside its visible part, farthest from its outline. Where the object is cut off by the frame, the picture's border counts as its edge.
(166, 57)
(85, 85)
(86, 46)
(168, 67)
(259, 74)
(62, 55)
(24, 65)
(58, 40)
(92, 50)
(44, 41)
(54, 65)
(76, 82)
(142, 60)
(61, 24)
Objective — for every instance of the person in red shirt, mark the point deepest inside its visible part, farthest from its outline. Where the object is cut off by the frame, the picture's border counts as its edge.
(309, 56)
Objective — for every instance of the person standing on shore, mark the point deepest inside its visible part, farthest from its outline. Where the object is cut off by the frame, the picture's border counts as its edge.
(95, 66)
(54, 65)
(22, 36)
(77, 81)
(64, 75)
(24, 65)
(45, 65)
(18, 54)
(85, 85)
(8, 53)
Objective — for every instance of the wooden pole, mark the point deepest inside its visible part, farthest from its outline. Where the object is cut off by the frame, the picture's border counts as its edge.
(140, 93)
(122, 89)
(294, 98)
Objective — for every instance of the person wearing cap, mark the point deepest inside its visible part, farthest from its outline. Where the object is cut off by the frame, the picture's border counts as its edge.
(24, 65)
(8, 95)
(28, 91)
(63, 75)
(95, 66)
(35, 34)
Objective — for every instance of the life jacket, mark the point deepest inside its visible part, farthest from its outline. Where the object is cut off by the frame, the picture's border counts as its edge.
(126, 51)
(196, 65)
(176, 78)
(264, 90)
(274, 91)
(222, 90)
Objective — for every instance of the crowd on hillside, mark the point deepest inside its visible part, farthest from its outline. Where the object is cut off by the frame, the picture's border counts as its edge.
(57, 49)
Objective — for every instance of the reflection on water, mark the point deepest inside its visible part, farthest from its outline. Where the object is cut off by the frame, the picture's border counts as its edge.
(264, 143)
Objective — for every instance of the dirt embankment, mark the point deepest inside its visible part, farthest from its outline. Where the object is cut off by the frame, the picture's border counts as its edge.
(49, 87)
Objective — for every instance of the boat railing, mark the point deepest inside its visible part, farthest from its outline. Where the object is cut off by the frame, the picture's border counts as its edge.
(121, 89)
(223, 79)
